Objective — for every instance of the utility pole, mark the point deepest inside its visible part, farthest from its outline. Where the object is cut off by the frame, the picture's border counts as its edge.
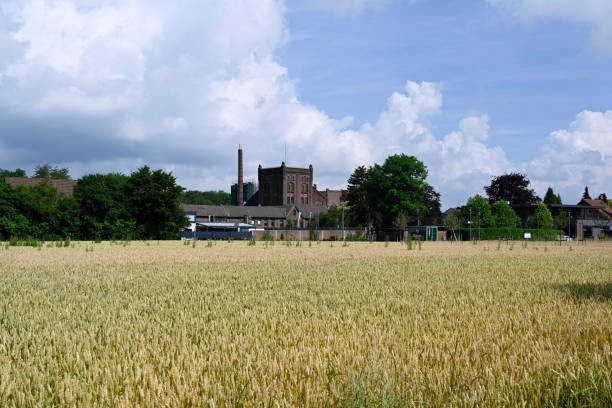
(343, 221)
(470, 223)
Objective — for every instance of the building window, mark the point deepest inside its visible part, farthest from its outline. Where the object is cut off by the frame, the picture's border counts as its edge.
(290, 200)
(291, 188)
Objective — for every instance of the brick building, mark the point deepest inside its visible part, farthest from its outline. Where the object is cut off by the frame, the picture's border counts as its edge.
(285, 185)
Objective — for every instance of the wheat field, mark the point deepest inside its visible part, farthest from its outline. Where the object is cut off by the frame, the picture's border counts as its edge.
(164, 324)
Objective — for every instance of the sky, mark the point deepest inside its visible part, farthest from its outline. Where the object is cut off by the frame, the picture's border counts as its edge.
(473, 88)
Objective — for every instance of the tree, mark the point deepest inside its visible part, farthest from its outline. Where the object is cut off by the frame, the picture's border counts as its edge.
(397, 187)
(206, 197)
(15, 173)
(512, 188)
(478, 211)
(48, 171)
(361, 212)
(12, 222)
(431, 199)
(103, 209)
(504, 215)
(551, 198)
(330, 218)
(453, 223)
(541, 219)
(586, 195)
(155, 204)
(603, 197)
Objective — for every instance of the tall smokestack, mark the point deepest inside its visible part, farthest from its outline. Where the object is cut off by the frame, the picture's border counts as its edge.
(240, 180)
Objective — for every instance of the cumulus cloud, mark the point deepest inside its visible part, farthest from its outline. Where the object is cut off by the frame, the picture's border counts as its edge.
(577, 156)
(111, 87)
(596, 13)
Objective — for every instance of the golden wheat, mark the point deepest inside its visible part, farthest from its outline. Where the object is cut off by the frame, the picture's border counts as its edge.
(166, 324)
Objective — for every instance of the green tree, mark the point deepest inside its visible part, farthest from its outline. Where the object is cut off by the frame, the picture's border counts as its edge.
(478, 210)
(9, 173)
(48, 171)
(504, 215)
(155, 204)
(603, 197)
(37, 203)
(551, 198)
(586, 195)
(331, 218)
(361, 211)
(453, 223)
(65, 222)
(206, 197)
(397, 187)
(431, 199)
(541, 219)
(12, 222)
(103, 208)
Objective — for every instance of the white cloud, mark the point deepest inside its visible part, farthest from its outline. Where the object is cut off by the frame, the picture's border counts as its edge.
(596, 13)
(575, 157)
(100, 88)
(348, 6)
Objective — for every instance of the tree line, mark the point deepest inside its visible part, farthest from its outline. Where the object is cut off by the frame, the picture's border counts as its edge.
(143, 205)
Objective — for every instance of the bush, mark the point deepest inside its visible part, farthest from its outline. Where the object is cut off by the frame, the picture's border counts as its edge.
(267, 236)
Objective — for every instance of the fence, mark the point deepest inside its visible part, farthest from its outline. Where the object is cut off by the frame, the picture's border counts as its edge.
(216, 235)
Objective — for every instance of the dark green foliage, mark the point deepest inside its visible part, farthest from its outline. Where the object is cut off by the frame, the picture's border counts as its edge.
(357, 197)
(113, 206)
(205, 197)
(48, 171)
(357, 236)
(391, 193)
(478, 211)
(541, 219)
(513, 188)
(504, 215)
(154, 203)
(586, 195)
(510, 234)
(9, 173)
(103, 207)
(397, 187)
(330, 219)
(551, 198)
(603, 197)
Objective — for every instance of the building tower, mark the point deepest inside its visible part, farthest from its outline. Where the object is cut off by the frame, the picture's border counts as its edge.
(240, 200)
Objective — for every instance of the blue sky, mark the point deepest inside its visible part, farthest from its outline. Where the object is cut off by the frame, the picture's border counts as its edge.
(529, 77)
(474, 88)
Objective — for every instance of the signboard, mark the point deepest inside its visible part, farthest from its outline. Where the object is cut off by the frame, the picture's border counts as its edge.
(527, 235)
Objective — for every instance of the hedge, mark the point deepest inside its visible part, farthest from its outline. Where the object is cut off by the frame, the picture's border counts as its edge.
(505, 233)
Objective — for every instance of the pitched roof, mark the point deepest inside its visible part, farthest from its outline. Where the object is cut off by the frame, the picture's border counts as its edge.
(236, 211)
(604, 208)
(64, 187)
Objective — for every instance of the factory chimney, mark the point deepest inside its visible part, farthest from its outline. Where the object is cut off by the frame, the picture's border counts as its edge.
(240, 200)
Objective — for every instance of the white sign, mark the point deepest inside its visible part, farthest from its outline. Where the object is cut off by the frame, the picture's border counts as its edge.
(527, 235)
